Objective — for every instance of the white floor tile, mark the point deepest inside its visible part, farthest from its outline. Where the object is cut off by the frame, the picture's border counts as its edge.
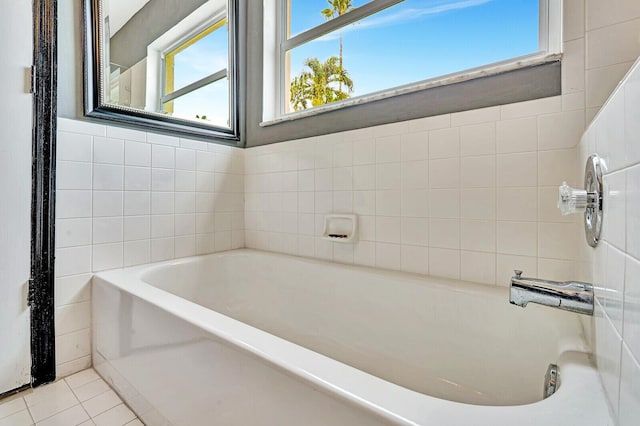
(119, 415)
(101, 403)
(70, 417)
(91, 389)
(12, 407)
(49, 400)
(21, 418)
(82, 378)
(82, 399)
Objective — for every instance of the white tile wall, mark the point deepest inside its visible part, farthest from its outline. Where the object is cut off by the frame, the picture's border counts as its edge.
(126, 198)
(468, 195)
(614, 266)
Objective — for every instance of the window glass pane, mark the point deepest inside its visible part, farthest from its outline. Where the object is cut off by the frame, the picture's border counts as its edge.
(306, 14)
(417, 40)
(201, 58)
(210, 103)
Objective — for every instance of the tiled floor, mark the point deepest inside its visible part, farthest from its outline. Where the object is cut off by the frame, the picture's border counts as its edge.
(81, 399)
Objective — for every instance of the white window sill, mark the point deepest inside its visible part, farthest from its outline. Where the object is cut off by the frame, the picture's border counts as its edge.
(493, 69)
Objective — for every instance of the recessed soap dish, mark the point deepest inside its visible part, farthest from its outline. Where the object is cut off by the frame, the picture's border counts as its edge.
(340, 228)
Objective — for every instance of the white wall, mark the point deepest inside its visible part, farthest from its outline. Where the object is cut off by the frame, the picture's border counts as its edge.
(467, 195)
(615, 264)
(15, 193)
(127, 197)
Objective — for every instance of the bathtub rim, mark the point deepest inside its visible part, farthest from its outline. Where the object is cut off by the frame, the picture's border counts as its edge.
(390, 401)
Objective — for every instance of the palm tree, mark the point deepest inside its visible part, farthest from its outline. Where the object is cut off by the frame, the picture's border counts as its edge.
(338, 8)
(317, 85)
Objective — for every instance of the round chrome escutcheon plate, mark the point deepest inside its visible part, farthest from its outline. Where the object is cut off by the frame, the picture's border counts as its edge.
(593, 213)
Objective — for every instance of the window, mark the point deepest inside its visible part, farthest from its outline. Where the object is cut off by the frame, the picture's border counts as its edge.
(196, 82)
(334, 53)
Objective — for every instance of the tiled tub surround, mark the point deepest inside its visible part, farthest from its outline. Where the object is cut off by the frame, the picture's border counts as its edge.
(127, 197)
(614, 266)
(467, 196)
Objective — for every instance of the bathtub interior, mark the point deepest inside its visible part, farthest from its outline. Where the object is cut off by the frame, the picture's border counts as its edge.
(455, 341)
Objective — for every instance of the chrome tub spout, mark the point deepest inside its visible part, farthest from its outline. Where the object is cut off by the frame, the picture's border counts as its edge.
(571, 296)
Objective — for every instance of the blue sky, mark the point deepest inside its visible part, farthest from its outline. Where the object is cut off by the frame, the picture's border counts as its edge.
(420, 39)
(203, 58)
(411, 41)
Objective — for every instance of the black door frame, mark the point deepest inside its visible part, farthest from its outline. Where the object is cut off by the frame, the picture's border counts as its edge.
(41, 284)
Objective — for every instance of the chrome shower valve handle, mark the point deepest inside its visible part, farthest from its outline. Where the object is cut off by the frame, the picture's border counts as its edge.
(587, 200)
(573, 200)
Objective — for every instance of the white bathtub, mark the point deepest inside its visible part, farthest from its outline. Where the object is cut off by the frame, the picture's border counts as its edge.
(253, 338)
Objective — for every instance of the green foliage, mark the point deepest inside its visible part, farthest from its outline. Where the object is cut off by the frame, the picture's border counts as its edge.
(317, 85)
(338, 7)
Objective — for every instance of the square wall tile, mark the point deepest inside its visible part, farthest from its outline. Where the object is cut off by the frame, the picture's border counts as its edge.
(631, 327)
(478, 235)
(415, 146)
(73, 261)
(108, 151)
(415, 259)
(73, 175)
(608, 349)
(162, 249)
(415, 174)
(560, 130)
(519, 238)
(444, 173)
(479, 139)
(444, 263)
(388, 229)
(388, 256)
(557, 166)
(388, 149)
(107, 230)
(444, 143)
(73, 232)
(519, 135)
(478, 267)
(614, 214)
(73, 204)
(629, 389)
(518, 204)
(73, 147)
(137, 252)
(163, 156)
(415, 231)
(107, 203)
(137, 154)
(518, 169)
(108, 177)
(107, 256)
(478, 172)
(478, 203)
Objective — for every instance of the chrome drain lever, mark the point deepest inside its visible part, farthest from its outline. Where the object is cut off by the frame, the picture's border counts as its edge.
(551, 381)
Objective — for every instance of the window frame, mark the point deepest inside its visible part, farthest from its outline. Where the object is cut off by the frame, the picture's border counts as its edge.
(94, 79)
(275, 75)
(168, 72)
